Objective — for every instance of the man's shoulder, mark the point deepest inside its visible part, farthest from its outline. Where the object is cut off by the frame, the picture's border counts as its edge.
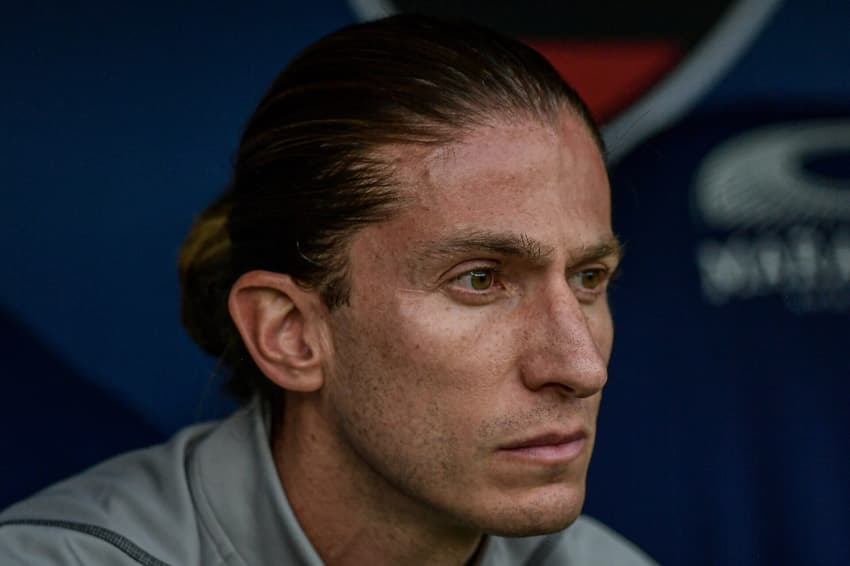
(587, 542)
(122, 511)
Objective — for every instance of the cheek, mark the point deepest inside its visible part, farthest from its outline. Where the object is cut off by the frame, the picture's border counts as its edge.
(426, 363)
(464, 350)
(412, 389)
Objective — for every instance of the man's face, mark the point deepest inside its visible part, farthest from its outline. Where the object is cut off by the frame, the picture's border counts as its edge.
(467, 369)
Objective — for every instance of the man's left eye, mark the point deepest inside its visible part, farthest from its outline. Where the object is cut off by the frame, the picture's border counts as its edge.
(591, 279)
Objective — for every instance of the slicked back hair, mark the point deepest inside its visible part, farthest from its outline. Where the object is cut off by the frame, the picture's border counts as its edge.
(308, 172)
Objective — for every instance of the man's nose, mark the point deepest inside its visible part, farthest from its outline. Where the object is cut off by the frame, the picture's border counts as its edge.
(562, 349)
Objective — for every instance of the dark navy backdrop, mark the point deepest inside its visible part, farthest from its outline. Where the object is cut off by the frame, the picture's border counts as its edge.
(724, 433)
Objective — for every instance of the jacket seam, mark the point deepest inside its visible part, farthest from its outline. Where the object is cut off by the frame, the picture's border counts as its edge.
(118, 541)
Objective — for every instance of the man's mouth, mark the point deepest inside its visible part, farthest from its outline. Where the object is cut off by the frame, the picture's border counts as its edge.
(550, 447)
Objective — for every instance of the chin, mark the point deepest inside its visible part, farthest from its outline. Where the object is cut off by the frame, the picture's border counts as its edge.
(538, 514)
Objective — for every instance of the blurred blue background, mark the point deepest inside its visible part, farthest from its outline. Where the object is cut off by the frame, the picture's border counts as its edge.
(725, 433)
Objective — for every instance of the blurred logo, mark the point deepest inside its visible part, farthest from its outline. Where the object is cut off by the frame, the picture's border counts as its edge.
(638, 65)
(779, 199)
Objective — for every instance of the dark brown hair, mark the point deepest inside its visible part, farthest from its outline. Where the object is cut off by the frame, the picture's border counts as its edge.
(308, 174)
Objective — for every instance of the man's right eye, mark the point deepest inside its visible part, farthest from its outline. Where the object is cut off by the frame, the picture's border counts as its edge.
(477, 285)
(477, 279)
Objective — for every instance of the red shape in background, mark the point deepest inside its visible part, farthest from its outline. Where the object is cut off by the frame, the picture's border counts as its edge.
(610, 75)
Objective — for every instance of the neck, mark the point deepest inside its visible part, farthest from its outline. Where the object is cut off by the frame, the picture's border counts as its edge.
(350, 514)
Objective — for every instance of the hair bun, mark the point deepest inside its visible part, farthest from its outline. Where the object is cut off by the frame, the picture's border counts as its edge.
(206, 275)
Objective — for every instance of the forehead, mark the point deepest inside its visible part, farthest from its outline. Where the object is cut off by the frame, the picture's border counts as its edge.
(546, 181)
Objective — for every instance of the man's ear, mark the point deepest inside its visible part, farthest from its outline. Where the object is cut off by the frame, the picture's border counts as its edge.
(282, 327)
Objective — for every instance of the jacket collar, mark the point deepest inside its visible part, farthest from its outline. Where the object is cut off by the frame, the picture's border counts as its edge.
(243, 505)
(240, 498)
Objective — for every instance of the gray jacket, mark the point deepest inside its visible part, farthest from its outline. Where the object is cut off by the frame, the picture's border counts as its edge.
(211, 496)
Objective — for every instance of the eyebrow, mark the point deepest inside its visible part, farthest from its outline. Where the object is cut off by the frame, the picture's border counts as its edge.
(609, 248)
(519, 246)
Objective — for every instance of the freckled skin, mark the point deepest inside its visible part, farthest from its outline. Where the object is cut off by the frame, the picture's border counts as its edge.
(423, 388)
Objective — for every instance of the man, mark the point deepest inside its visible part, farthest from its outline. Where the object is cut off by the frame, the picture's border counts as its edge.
(407, 280)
